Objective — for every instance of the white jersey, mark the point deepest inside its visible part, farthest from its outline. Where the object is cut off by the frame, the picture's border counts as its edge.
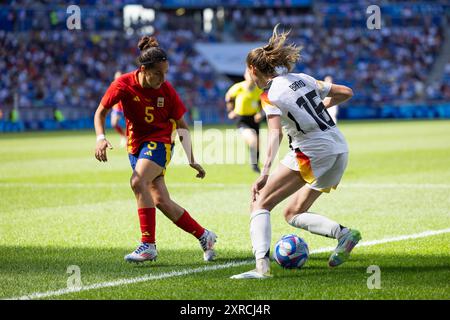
(297, 98)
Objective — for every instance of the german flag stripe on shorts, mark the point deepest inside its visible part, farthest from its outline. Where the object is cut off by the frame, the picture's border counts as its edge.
(304, 165)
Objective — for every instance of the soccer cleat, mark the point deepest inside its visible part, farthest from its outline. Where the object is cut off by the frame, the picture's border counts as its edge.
(255, 168)
(252, 274)
(262, 271)
(207, 241)
(346, 243)
(144, 252)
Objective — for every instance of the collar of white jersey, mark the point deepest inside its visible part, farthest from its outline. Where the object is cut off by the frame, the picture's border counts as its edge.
(269, 83)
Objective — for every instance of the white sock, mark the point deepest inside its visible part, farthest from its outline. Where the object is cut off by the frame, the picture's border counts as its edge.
(260, 232)
(317, 224)
(253, 155)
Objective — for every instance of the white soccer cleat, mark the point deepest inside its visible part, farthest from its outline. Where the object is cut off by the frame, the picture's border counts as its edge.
(207, 242)
(346, 243)
(262, 271)
(252, 274)
(144, 252)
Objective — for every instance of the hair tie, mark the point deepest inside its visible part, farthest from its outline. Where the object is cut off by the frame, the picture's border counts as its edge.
(280, 70)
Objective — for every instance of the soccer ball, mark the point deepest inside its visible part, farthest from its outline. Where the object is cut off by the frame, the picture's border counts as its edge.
(291, 251)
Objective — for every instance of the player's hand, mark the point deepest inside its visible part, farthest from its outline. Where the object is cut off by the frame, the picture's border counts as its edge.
(201, 172)
(100, 150)
(232, 115)
(257, 117)
(258, 185)
(327, 102)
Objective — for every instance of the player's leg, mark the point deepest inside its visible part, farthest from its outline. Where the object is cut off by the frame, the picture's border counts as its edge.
(114, 119)
(145, 171)
(255, 127)
(251, 139)
(115, 123)
(281, 184)
(257, 146)
(297, 213)
(180, 217)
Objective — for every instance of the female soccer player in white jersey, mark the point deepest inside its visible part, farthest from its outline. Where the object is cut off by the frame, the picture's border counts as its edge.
(316, 162)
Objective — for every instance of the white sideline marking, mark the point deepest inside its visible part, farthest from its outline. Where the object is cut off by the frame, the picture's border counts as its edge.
(396, 185)
(221, 185)
(120, 282)
(424, 234)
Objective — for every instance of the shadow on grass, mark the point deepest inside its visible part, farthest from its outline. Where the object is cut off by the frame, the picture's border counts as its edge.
(24, 270)
(106, 260)
(431, 268)
(28, 269)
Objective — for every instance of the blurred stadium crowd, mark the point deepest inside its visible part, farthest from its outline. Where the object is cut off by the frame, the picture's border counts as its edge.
(45, 67)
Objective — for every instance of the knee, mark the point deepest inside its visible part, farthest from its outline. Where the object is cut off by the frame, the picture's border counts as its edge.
(263, 203)
(164, 205)
(137, 184)
(289, 213)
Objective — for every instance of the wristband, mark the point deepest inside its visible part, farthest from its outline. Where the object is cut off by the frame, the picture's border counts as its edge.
(101, 137)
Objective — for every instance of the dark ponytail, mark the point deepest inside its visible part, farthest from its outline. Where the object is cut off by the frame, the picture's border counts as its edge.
(151, 53)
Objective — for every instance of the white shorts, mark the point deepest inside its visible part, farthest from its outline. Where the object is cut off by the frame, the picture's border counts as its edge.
(319, 173)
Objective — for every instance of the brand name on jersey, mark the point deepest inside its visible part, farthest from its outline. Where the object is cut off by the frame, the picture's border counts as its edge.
(297, 85)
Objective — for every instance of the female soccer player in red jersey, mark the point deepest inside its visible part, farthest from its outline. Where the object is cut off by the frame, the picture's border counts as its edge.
(153, 111)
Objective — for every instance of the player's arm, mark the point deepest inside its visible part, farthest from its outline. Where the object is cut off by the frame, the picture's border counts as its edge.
(230, 97)
(99, 124)
(337, 95)
(185, 139)
(260, 114)
(229, 100)
(113, 95)
(275, 135)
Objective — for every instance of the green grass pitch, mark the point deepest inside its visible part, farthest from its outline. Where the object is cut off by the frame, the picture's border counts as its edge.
(60, 207)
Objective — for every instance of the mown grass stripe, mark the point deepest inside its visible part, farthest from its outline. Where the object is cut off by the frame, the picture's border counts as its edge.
(121, 282)
(219, 185)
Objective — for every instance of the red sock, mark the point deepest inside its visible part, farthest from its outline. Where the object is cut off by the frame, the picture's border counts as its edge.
(190, 225)
(119, 130)
(147, 220)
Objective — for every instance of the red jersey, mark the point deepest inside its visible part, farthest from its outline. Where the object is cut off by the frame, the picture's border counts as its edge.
(150, 114)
